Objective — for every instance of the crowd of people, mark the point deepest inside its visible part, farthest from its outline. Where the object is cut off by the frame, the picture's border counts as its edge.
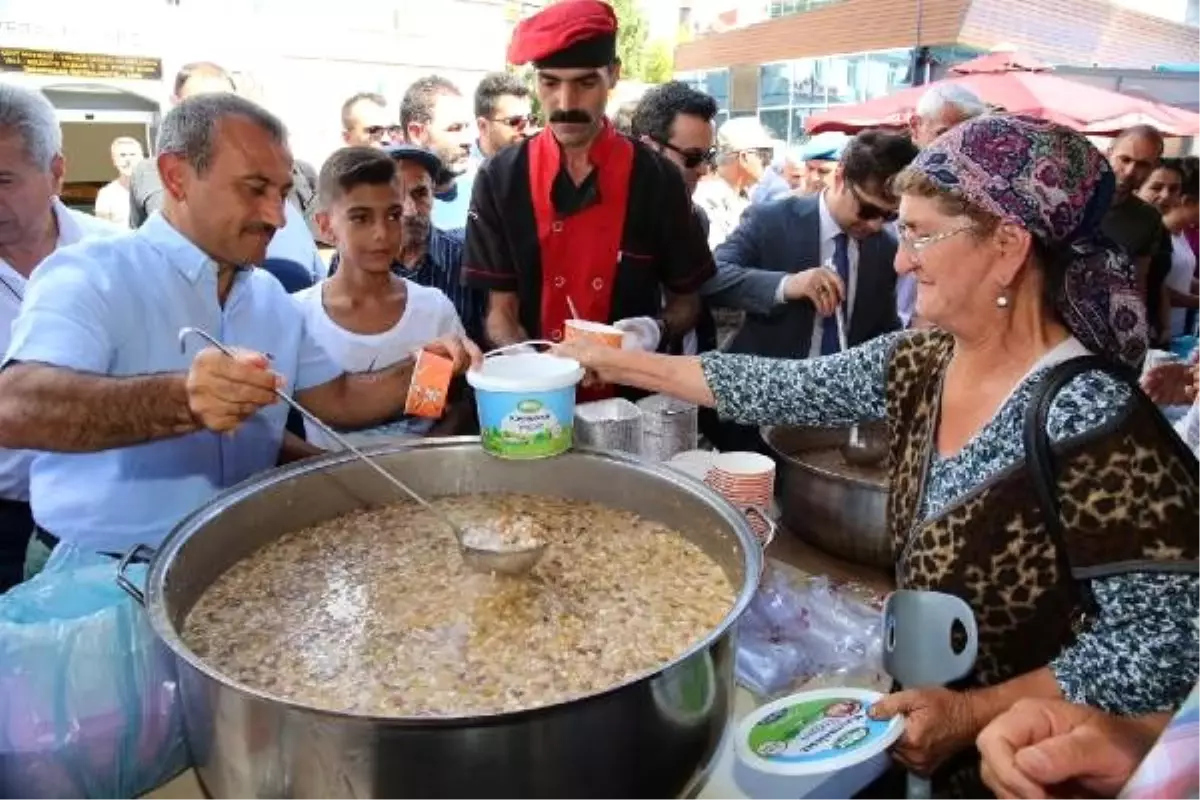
(983, 264)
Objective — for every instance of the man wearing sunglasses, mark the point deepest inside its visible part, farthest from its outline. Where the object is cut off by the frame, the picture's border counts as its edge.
(366, 121)
(503, 114)
(799, 260)
(677, 121)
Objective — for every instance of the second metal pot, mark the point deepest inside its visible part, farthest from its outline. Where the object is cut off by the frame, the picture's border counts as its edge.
(841, 514)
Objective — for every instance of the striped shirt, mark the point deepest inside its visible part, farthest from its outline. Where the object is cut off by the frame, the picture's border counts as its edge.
(441, 268)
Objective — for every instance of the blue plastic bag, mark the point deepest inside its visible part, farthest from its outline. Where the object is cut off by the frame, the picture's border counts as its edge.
(88, 700)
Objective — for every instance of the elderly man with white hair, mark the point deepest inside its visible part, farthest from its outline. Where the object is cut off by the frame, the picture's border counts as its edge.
(745, 150)
(942, 107)
(33, 224)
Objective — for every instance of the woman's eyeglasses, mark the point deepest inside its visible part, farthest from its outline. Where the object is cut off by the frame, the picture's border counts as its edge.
(868, 211)
(916, 244)
(691, 158)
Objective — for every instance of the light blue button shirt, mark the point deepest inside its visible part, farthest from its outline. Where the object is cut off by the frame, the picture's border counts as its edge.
(115, 307)
(450, 214)
(294, 242)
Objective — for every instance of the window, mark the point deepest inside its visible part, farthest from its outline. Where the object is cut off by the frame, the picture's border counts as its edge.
(774, 83)
(885, 72)
(714, 83)
(781, 8)
(815, 84)
(776, 122)
(807, 82)
(842, 80)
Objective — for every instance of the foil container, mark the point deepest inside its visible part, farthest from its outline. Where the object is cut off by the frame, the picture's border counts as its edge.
(613, 424)
(669, 426)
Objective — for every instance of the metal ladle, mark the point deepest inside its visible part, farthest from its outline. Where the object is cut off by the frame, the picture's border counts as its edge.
(505, 562)
(857, 450)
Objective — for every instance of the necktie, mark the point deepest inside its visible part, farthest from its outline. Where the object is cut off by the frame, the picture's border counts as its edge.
(841, 262)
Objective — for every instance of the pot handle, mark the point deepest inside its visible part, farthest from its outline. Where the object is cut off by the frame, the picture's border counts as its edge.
(141, 552)
(765, 516)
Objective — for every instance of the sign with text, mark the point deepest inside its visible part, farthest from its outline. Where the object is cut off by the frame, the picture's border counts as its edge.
(79, 65)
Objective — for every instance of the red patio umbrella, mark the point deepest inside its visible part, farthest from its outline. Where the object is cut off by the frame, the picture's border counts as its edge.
(1020, 85)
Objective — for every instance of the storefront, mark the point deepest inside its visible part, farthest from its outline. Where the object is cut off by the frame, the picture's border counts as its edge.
(812, 55)
(109, 67)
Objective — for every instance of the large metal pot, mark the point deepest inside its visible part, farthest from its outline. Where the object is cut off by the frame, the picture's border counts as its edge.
(842, 514)
(634, 740)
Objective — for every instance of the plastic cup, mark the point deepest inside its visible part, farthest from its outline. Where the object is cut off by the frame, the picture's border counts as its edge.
(595, 332)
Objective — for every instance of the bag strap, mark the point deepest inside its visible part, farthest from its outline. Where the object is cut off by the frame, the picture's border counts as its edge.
(1039, 458)
(1039, 452)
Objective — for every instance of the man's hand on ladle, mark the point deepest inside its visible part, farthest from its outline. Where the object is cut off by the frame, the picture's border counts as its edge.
(224, 392)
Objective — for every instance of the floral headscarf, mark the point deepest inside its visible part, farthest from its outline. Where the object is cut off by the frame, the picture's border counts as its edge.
(1050, 180)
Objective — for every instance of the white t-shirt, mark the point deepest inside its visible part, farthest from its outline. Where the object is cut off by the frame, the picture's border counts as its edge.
(428, 314)
(73, 227)
(112, 204)
(1183, 267)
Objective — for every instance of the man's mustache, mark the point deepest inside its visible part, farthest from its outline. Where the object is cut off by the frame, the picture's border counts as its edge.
(260, 227)
(569, 115)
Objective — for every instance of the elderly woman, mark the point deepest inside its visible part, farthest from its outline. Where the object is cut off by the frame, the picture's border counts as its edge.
(1097, 604)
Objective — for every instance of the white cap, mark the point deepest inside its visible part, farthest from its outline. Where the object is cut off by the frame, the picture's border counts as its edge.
(744, 133)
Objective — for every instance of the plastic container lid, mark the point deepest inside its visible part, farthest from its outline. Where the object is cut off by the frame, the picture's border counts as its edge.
(526, 372)
(815, 732)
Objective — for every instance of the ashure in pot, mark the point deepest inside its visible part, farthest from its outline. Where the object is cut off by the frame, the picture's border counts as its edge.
(654, 735)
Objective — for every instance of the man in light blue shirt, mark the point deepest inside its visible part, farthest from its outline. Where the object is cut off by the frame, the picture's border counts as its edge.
(135, 431)
(435, 115)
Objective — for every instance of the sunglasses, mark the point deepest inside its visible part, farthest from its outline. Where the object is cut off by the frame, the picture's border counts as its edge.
(691, 158)
(519, 122)
(379, 131)
(868, 211)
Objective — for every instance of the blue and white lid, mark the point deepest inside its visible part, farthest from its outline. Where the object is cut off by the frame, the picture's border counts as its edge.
(815, 732)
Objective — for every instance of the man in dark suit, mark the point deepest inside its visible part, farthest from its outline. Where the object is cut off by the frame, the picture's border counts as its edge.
(792, 262)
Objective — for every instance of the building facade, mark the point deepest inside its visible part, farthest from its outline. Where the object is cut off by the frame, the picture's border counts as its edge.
(108, 66)
(798, 57)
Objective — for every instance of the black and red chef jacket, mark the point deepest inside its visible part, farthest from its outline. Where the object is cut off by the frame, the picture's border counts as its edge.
(611, 244)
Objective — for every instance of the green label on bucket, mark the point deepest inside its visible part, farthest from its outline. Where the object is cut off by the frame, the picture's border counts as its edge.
(815, 730)
(526, 426)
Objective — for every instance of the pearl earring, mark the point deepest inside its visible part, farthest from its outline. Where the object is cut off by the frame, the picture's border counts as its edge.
(1002, 301)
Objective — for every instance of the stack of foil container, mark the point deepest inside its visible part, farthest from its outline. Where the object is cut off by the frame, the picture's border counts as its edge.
(614, 424)
(669, 427)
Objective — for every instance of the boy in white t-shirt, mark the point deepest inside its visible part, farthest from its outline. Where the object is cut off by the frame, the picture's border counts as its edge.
(365, 316)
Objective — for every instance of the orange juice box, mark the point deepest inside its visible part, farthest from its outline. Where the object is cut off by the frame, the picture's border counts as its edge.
(430, 385)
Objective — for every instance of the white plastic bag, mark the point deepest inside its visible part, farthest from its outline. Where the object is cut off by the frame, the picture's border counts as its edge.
(796, 630)
(88, 699)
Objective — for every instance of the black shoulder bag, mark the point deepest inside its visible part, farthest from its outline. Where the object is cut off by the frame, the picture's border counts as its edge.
(1039, 453)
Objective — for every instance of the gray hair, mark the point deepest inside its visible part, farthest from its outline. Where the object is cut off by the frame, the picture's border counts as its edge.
(29, 113)
(941, 96)
(190, 128)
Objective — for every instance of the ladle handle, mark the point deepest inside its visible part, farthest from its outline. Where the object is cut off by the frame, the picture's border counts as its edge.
(843, 343)
(330, 432)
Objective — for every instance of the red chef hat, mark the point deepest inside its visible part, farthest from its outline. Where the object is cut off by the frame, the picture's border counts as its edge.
(570, 34)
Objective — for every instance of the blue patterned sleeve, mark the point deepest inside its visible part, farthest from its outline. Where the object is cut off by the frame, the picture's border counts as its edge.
(1138, 654)
(836, 390)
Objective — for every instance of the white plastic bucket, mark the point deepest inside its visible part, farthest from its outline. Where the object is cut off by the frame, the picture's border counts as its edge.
(526, 404)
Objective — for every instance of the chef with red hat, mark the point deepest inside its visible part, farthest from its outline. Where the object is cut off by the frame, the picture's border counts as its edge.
(580, 216)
